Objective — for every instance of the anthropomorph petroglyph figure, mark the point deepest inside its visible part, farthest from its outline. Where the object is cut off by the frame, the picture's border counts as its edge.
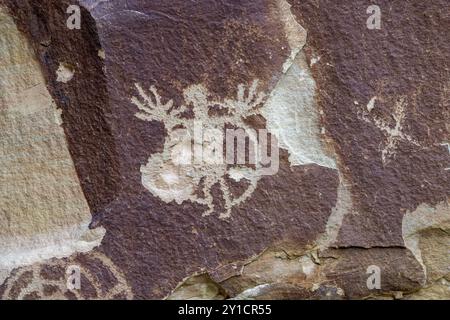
(194, 158)
(394, 134)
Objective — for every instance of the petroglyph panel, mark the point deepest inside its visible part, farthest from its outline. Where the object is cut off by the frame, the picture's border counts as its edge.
(266, 149)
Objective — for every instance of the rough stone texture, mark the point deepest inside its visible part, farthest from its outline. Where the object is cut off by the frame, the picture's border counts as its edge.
(44, 213)
(92, 118)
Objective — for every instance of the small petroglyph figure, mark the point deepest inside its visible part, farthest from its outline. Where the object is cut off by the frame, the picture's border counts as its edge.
(77, 277)
(394, 134)
(192, 161)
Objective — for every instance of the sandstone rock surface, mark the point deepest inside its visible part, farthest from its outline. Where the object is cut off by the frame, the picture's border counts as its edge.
(113, 142)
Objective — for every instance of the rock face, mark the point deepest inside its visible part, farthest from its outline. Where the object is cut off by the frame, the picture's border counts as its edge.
(264, 149)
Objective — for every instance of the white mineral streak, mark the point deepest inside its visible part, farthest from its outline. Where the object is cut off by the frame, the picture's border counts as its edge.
(64, 73)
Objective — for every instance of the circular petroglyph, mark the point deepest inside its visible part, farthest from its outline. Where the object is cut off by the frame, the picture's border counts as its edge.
(199, 152)
(98, 278)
